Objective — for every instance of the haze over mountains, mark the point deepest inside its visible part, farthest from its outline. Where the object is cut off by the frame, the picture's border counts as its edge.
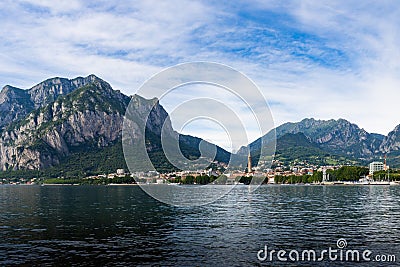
(60, 120)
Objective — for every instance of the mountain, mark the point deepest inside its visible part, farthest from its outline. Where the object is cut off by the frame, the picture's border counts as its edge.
(335, 137)
(297, 148)
(391, 143)
(73, 125)
(16, 103)
(89, 116)
(390, 147)
(59, 121)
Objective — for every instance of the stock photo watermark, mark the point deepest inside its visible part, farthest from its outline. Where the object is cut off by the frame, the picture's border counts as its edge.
(340, 253)
(255, 114)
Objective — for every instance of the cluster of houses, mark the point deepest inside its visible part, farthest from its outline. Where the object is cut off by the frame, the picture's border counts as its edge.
(154, 177)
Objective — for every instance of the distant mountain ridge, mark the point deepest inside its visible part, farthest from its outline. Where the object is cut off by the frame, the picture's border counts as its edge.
(336, 137)
(292, 149)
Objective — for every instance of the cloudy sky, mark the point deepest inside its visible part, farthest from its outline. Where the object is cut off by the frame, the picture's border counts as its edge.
(321, 59)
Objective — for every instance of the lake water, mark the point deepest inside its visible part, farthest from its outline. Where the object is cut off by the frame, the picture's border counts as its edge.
(121, 225)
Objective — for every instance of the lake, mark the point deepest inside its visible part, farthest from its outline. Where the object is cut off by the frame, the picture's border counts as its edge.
(122, 225)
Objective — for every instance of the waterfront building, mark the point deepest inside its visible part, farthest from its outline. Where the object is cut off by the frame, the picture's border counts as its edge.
(376, 166)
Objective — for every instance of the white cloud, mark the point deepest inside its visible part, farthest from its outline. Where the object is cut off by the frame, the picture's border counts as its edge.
(55, 7)
(126, 46)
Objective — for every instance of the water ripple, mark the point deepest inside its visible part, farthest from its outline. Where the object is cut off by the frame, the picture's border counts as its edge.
(122, 226)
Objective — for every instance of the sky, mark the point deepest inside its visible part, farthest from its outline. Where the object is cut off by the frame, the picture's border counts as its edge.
(319, 59)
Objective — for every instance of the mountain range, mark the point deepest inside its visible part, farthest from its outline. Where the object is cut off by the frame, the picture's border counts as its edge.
(75, 125)
(339, 141)
(60, 120)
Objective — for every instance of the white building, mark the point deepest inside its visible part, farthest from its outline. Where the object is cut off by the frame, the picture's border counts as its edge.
(375, 166)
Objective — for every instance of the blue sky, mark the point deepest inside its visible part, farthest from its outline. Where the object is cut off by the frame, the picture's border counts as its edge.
(321, 59)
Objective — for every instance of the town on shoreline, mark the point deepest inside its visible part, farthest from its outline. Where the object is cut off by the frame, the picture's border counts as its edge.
(377, 173)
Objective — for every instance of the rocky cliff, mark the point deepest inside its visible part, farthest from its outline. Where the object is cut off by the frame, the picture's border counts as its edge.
(16, 103)
(59, 117)
(89, 116)
(391, 143)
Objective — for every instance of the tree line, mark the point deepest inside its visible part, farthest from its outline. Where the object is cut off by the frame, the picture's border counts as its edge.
(316, 177)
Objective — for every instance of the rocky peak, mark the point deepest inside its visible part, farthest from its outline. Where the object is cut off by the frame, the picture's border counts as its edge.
(15, 103)
(48, 91)
(10, 93)
(336, 136)
(391, 142)
(157, 116)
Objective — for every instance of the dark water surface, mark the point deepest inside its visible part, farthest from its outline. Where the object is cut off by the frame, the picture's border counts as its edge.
(122, 226)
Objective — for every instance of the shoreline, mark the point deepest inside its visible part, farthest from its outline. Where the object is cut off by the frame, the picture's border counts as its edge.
(322, 184)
